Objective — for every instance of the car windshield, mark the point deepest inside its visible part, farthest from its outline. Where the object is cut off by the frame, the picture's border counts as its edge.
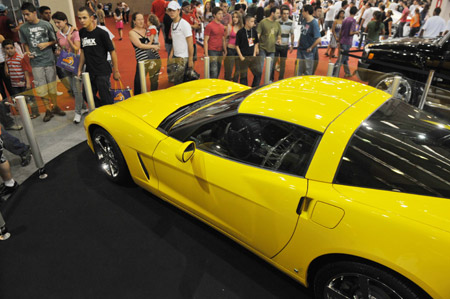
(168, 122)
(222, 108)
(399, 148)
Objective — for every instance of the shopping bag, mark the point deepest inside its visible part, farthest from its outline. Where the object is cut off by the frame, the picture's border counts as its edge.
(68, 61)
(120, 94)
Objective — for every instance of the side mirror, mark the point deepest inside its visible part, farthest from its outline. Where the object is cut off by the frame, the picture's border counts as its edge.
(186, 151)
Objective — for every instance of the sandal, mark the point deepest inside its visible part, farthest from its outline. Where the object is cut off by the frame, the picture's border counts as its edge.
(326, 54)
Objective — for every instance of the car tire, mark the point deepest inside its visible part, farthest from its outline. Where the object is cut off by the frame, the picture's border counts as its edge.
(348, 279)
(406, 91)
(110, 157)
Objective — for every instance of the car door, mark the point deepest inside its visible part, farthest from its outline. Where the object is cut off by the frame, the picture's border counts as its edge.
(245, 177)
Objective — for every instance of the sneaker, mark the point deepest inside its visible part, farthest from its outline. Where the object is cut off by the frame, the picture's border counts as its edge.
(56, 110)
(48, 115)
(4, 234)
(14, 127)
(59, 93)
(26, 157)
(33, 116)
(5, 190)
(77, 118)
(84, 111)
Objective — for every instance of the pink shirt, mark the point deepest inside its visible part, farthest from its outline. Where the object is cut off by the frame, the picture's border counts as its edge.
(216, 32)
(62, 40)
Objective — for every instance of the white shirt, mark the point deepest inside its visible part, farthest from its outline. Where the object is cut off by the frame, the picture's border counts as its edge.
(448, 25)
(367, 16)
(433, 27)
(347, 12)
(330, 14)
(111, 36)
(393, 6)
(180, 31)
(337, 7)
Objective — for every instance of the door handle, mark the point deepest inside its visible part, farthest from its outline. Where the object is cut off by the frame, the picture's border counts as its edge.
(300, 205)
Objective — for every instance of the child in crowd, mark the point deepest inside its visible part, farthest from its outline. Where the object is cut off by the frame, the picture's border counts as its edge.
(152, 30)
(17, 68)
(100, 14)
(119, 21)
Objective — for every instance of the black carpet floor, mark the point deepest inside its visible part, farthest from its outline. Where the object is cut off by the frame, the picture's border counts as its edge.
(77, 235)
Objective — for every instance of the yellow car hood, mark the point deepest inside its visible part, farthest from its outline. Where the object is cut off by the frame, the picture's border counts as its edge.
(154, 107)
(432, 211)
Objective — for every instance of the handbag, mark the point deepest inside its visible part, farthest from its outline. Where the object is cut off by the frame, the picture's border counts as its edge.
(120, 94)
(68, 61)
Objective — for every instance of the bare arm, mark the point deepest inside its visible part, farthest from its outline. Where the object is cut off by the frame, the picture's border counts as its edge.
(190, 43)
(319, 40)
(134, 38)
(115, 61)
(27, 80)
(205, 45)
(80, 66)
(241, 57)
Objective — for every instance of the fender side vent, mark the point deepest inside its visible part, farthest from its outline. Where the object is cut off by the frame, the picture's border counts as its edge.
(143, 167)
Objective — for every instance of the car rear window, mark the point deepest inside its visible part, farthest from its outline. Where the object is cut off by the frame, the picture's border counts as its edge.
(399, 148)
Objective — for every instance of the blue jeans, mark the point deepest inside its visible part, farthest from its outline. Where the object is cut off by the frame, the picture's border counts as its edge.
(344, 62)
(215, 63)
(75, 85)
(263, 54)
(305, 62)
(13, 144)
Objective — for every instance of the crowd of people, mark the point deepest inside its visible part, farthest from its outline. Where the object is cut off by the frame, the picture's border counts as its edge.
(237, 35)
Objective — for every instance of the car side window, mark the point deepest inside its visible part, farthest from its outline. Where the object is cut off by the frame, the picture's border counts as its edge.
(259, 141)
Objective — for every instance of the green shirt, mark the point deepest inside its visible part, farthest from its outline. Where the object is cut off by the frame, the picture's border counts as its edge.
(34, 34)
(372, 33)
(269, 32)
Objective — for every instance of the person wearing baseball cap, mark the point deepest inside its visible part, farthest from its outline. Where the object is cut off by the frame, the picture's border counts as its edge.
(182, 52)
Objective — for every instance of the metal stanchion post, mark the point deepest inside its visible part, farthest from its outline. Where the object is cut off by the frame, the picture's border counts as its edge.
(395, 85)
(88, 91)
(142, 76)
(268, 70)
(426, 90)
(206, 61)
(29, 131)
(330, 69)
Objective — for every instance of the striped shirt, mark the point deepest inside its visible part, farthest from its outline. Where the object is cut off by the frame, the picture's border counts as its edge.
(287, 28)
(16, 70)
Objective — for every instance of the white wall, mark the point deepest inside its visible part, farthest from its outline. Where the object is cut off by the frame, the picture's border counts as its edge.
(66, 6)
(445, 9)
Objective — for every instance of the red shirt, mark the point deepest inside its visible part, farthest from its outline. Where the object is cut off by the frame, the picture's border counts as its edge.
(215, 31)
(16, 68)
(159, 9)
(405, 14)
(191, 18)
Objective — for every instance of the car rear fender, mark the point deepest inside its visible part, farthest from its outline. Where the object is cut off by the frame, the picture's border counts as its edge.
(411, 249)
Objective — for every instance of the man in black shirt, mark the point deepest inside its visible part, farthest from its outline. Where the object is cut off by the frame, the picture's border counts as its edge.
(247, 49)
(95, 45)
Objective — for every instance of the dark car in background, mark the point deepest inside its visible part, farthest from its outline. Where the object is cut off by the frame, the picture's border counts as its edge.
(412, 59)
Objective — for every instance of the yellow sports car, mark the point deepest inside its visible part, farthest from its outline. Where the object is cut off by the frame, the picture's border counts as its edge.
(335, 183)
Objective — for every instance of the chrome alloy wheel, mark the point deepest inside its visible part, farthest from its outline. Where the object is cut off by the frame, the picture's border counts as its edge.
(105, 155)
(358, 286)
(404, 89)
